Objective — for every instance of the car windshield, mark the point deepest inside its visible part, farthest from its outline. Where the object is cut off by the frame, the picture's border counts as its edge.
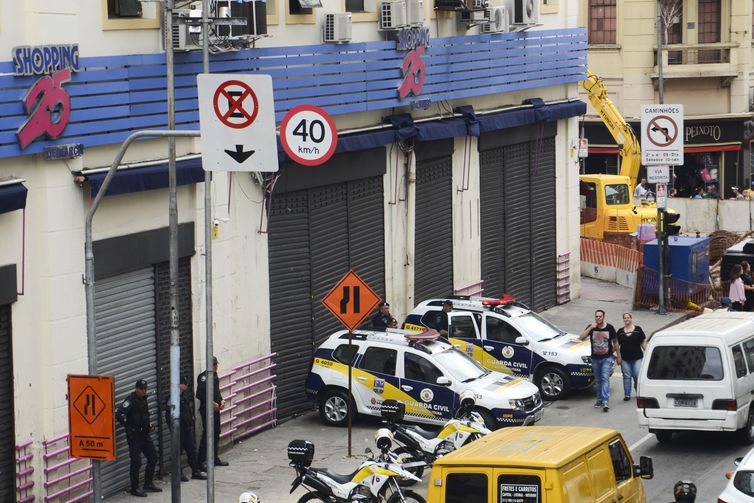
(744, 482)
(698, 363)
(538, 327)
(459, 365)
(617, 194)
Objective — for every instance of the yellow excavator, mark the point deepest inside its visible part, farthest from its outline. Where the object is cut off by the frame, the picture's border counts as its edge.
(607, 204)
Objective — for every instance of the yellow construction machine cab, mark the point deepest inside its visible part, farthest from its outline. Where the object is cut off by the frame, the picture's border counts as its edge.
(615, 195)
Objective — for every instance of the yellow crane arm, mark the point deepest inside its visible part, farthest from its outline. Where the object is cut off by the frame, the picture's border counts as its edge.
(630, 149)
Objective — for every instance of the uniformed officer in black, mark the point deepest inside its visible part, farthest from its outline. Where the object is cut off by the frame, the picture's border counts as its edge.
(187, 421)
(440, 320)
(201, 394)
(133, 414)
(383, 317)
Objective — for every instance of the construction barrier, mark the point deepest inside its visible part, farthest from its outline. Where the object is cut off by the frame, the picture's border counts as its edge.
(609, 262)
(680, 295)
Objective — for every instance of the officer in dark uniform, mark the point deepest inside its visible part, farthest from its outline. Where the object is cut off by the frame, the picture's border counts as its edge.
(133, 414)
(187, 422)
(382, 319)
(440, 320)
(201, 394)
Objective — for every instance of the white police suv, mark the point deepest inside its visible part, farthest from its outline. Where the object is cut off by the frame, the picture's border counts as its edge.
(423, 371)
(506, 336)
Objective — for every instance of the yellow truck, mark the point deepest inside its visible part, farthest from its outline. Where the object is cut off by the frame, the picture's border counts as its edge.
(606, 201)
(541, 464)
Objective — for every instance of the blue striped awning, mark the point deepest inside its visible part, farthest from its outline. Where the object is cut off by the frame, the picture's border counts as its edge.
(12, 197)
(188, 171)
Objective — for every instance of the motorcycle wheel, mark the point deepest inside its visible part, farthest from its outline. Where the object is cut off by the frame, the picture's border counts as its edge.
(407, 497)
(311, 497)
(404, 455)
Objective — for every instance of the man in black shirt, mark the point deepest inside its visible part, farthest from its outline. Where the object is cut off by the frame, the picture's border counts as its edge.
(133, 415)
(382, 318)
(187, 422)
(440, 319)
(218, 403)
(604, 342)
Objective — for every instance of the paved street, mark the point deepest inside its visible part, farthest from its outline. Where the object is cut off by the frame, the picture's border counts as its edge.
(260, 463)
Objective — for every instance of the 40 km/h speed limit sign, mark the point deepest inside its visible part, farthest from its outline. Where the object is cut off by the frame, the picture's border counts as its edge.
(308, 135)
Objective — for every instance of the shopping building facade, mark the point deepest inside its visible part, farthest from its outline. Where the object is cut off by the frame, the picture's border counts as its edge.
(467, 183)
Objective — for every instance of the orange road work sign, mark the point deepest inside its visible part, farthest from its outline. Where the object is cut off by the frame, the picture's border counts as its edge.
(351, 300)
(91, 416)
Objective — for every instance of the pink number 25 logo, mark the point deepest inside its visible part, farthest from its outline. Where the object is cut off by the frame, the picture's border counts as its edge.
(48, 106)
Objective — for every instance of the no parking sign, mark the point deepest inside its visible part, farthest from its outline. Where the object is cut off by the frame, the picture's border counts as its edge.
(308, 135)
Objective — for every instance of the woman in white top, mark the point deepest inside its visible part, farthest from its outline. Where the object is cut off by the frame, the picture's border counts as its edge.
(736, 291)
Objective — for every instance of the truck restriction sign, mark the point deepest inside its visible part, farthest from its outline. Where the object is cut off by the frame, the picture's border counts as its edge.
(308, 135)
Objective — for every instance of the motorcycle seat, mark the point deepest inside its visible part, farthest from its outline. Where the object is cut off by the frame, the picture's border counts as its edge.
(337, 477)
(429, 435)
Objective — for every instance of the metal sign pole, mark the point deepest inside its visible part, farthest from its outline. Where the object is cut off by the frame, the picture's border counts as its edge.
(350, 367)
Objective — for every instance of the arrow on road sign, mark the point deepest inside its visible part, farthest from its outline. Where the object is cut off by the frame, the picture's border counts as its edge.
(239, 154)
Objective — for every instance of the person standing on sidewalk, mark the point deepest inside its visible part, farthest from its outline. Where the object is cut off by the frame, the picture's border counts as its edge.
(133, 415)
(218, 403)
(604, 343)
(187, 422)
(632, 342)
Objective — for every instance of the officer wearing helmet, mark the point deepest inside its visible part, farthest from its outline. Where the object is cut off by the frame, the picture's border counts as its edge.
(684, 491)
(249, 497)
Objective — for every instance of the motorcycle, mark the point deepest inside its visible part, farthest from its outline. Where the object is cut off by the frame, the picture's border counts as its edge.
(375, 481)
(420, 448)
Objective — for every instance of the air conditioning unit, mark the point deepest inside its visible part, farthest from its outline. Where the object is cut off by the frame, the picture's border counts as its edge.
(393, 15)
(337, 27)
(497, 20)
(415, 12)
(524, 12)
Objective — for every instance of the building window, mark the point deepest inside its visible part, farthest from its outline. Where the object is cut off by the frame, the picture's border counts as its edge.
(709, 30)
(301, 11)
(123, 8)
(123, 15)
(602, 21)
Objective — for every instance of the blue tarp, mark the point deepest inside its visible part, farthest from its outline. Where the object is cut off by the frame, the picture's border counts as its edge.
(148, 178)
(12, 197)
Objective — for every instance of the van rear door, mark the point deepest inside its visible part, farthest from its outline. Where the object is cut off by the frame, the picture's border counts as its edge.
(519, 486)
(458, 482)
(686, 379)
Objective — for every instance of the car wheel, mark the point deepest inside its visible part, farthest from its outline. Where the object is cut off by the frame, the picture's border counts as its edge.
(333, 407)
(553, 383)
(664, 436)
(747, 432)
(489, 420)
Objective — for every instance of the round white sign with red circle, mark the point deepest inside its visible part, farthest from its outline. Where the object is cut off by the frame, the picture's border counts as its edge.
(308, 135)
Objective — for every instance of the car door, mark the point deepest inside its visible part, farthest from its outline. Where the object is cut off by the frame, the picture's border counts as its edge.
(375, 378)
(625, 483)
(463, 333)
(499, 342)
(430, 401)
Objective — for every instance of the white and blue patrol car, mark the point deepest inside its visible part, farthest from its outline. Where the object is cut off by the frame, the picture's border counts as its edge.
(506, 336)
(426, 374)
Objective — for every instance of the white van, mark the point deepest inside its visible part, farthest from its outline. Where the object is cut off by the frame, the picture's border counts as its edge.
(699, 375)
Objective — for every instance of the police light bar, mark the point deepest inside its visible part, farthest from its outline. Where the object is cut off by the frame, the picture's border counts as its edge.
(429, 334)
(506, 300)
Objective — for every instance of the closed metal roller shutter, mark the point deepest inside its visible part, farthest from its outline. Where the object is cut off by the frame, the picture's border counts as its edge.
(185, 324)
(491, 221)
(517, 218)
(126, 348)
(7, 458)
(315, 237)
(328, 242)
(543, 225)
(433, 248)
(290, 298)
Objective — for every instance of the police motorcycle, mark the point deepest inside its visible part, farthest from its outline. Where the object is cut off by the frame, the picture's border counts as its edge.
(375, 481)
(420, 448)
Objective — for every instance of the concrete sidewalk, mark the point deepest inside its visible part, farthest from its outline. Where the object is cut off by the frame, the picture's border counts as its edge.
(260, 463)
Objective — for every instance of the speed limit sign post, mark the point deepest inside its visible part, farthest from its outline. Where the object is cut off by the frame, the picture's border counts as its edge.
(308, 135)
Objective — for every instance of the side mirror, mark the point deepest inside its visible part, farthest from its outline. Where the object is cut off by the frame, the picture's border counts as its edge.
(645, 469)
(443, 381)
(522, 341)
(369, 453)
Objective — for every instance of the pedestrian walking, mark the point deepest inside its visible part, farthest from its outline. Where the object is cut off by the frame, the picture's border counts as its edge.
(217, 405)
(187, 422)
(736, 289)
(632, 342)
(383, 316)
(133, 415)
(604, 343)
